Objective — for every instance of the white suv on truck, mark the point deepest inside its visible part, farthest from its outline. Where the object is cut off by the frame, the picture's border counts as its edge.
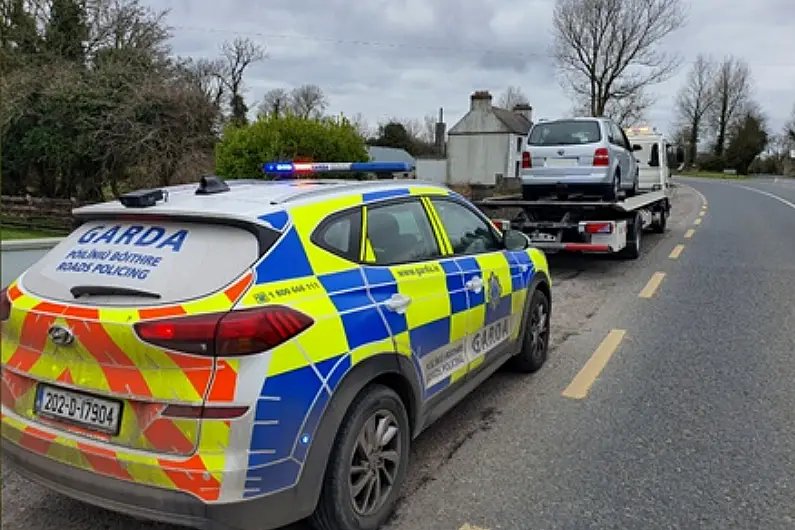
(579, 156)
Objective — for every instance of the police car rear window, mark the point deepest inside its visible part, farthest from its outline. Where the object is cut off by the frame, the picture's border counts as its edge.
(114, 260)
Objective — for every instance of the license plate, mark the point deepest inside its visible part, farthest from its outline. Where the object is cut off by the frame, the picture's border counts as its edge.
(561, 162)
(76, 407)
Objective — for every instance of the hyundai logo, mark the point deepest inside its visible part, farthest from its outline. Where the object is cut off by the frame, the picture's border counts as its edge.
(60, 335)
(561, 152)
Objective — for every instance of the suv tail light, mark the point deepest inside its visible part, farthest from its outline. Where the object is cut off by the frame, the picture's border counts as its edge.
(601, 157)
(5, 305)
(527, 161)
(226, 334)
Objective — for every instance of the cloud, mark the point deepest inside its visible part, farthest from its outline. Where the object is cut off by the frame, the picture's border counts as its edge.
(407, 58)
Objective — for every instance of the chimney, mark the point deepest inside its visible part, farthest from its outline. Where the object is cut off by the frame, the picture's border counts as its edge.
(440, 133)
(525, 110)
(480, 100)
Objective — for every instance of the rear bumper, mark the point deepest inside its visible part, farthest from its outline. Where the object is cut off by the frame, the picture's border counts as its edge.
(544, 178)
(152, 503)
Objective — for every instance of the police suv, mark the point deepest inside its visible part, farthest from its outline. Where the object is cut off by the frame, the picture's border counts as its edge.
(245, 354)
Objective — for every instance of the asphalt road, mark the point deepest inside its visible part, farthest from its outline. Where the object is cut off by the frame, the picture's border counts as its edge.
(691, 421)
(686, 422)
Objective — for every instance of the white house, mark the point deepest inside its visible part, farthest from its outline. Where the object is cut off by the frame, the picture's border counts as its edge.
(486, 145)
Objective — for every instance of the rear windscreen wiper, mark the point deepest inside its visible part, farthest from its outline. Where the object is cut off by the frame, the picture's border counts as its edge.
(103, 290)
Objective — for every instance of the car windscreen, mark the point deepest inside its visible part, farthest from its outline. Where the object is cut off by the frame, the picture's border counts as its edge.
(565, 132)
(142, 263)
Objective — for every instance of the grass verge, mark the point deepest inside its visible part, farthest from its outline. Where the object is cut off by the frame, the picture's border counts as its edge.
(13, 232)
(711, 175)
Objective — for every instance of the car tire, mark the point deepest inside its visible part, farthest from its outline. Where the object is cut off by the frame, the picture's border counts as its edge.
(534, 349)
(635, 188)
(529, 194)
(614, 189)
(340, 506)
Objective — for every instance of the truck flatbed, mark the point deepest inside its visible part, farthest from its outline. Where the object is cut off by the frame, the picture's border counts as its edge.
(628, 204)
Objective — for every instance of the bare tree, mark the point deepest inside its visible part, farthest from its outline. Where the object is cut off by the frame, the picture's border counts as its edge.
(695, 100)
(732, 92)
(512, 96)
(308, 101)
(789, 129)
(237, 56)
(359, 123)
(429, 128)
(610, 49)
(205, 75)
(275, 102)
(626, 112)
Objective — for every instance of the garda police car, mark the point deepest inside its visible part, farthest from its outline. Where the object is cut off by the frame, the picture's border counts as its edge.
(246, 354)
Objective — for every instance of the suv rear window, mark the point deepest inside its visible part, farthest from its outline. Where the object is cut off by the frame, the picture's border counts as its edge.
(565, 132)
(176, 260)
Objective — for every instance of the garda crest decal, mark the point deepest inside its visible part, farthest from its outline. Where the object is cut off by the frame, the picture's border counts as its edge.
(495, 291)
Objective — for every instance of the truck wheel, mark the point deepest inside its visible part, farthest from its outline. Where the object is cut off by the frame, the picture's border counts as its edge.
(659, 226)
(634, 235)
(535, 339)
(367, 465)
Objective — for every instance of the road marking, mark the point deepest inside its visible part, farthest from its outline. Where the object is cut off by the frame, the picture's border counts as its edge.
(690, 233)
(470, 527)
(702, 213)
(697, 221)
(584, 380)
(676, 252)
(651, 287)
(771, 195)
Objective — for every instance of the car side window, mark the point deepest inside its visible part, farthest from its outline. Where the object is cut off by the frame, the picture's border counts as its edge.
(340, 234)
(468, 232)
(400, 233)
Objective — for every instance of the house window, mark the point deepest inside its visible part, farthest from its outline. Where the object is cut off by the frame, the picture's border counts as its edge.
(518, 167)
(519, 144)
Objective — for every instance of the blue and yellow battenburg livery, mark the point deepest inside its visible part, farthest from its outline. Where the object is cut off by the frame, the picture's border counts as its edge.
(291, 399)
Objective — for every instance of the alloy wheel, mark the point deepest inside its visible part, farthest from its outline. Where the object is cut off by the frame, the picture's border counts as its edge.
(374, 463)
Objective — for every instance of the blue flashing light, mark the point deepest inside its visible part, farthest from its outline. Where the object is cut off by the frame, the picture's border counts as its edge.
(308, 168)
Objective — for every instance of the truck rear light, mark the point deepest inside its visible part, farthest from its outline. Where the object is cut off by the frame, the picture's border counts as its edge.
(601, 157)
(5, 305)
(599, 228)
(226, 334)
(527, 161)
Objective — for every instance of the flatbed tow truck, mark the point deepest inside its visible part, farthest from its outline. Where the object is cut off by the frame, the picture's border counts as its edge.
(588, 225)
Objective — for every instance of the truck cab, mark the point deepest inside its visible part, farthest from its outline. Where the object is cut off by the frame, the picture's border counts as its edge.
(656, 157)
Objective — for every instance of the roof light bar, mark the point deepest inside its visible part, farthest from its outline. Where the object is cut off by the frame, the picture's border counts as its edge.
(308, 168)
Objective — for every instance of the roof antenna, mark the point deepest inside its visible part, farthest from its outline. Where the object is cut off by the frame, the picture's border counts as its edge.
(210, 185)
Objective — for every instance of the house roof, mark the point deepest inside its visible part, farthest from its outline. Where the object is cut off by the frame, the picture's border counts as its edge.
(517, 123)
(389, 154)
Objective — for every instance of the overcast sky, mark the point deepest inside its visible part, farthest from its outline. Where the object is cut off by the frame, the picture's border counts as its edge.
(407, 58)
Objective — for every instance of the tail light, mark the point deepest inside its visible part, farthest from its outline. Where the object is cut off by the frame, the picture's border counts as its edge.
(226, 334)
(527, 161)
(599, 228)
(5, 305)
(601, 157)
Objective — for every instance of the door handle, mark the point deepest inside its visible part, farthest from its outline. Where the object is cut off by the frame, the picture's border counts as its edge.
(398, 303)
(475, 285)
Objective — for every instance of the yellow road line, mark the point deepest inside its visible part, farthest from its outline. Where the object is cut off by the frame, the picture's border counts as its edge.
(676, 252)
(697, 221)
(470, 527)
(701, 213)
(651, 287)
(690, 233)
(584, 380)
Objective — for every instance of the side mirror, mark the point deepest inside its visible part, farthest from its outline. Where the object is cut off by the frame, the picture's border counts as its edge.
(654, 160)
(680, 155)
(637, 147)
(515, 240)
